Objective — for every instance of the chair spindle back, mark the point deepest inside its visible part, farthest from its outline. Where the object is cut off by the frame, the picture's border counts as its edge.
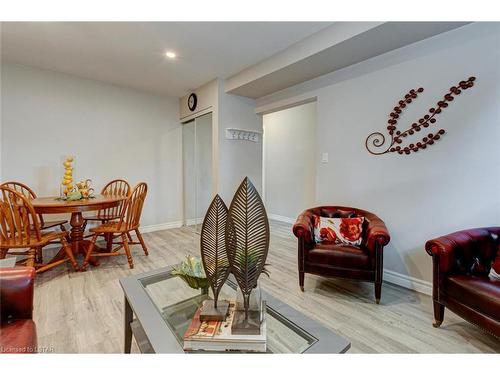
(25, 190)
(118, 188)
(133, 206)
(19, 223)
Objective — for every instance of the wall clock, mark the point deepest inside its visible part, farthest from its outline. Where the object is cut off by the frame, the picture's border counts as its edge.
(192, 101)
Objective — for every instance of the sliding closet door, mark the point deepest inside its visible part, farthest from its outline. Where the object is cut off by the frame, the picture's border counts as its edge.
(189, 166)
(203, 164)
(197, 159)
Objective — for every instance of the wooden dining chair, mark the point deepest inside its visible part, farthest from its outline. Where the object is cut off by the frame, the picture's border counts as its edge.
(20, 229)
(30, 194)
(118, 188)
(129, 221)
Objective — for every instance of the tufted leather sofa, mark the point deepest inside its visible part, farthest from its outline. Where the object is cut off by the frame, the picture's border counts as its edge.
(17, 329)
(461, 263)
(360, 263)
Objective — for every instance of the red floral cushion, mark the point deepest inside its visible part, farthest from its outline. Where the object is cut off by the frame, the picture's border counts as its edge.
(347, 231)
(495, 267)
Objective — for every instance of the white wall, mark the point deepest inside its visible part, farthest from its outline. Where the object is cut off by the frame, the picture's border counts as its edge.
(452, 185)
(290, 160)
(113, 132)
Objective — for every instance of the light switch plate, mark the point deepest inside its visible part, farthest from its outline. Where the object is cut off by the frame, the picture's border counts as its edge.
(324, 157)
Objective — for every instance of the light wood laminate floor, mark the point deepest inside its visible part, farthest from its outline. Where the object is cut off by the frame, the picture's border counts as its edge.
(82, 312)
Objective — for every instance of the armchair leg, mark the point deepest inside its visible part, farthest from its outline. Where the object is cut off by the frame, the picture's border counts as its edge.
(378, 292)
(301, 280)
(438, 314)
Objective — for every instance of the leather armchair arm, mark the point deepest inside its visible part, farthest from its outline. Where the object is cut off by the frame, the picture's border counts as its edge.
(303, 227)
(376, 234)
(16, 293)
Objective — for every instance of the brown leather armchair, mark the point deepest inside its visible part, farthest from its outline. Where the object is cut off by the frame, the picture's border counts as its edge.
(361, 263)
(17, 329)
(461, 263)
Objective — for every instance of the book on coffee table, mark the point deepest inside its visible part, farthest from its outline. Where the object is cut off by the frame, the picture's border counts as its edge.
(217, 336)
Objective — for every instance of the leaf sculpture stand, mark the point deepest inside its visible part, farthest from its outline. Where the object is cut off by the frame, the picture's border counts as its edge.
(247, 243)
(215, 258)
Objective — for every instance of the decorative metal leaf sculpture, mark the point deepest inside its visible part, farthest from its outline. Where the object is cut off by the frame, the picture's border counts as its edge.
(213, 246)
(375, 142)
(247, 238)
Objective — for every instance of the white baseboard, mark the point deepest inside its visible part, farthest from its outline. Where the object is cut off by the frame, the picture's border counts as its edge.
(162, 226)
(409, 282)
(195, 221)
(284, 219)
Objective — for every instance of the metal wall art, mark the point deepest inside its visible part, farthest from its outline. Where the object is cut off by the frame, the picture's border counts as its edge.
(215, 258)
(247, 243)
(375, 142)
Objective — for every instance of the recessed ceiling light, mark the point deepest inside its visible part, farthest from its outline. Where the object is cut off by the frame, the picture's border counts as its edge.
(170, 54)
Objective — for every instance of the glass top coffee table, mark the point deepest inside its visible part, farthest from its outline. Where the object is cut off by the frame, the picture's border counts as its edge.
(159, 308)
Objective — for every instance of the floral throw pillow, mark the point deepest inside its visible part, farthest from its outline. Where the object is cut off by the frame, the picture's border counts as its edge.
(347, 231)
(495, 268)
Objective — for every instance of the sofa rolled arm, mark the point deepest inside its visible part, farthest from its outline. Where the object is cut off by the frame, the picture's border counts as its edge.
(448, 249)
(376, 234)
(442, 251)
(303, 227)
(16, 293)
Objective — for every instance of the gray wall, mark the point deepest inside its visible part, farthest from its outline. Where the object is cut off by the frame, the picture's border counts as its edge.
(452, 185)
(290, 160)
(112, 132)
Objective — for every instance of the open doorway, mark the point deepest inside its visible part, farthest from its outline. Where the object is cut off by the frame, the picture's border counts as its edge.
(289, 161)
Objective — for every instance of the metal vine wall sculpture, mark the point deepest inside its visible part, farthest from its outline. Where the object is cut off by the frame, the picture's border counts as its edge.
(215, 257)
(375, 142)
(248, 247)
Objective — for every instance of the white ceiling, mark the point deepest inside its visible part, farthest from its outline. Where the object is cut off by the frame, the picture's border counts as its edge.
(131, 53)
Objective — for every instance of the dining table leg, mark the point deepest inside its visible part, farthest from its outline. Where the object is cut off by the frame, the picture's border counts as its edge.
(78, 244)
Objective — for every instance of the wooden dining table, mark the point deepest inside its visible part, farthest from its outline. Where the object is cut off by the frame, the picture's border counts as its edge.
(55, 205)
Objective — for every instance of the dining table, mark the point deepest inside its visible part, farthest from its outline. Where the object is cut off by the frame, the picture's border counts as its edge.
(56, 205)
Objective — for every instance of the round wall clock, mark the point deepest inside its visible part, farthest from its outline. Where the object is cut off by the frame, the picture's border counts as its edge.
(192, 101)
